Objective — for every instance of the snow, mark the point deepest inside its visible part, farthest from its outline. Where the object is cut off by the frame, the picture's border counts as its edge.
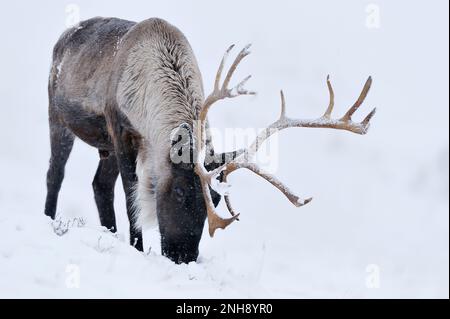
(59, 68)
(378, 226)
(103, 259)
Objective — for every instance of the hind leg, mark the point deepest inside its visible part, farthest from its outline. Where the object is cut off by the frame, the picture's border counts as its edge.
(61, 141)
(103, 185)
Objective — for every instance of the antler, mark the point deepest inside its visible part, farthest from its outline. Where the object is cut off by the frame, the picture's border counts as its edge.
(284, 122)
(219, 93)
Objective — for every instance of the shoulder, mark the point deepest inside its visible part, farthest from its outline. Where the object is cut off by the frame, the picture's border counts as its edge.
(96, 30)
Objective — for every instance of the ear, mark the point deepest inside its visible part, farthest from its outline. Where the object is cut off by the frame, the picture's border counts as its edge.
(181, 150)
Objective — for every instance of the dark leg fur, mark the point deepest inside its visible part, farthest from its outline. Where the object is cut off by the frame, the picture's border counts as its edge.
(103, 185)
(126, 153)
(61, 140)
(127, 165)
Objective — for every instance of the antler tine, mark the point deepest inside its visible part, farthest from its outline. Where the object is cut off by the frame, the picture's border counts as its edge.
(240, 90)
(331, 104)
(359, 101)
(229, 206)
(369, 116)
(283, 105)
(221, 66)
(244, 52)
(227, 199)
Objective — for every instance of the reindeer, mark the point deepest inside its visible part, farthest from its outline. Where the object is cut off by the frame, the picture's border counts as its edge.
(134, 91)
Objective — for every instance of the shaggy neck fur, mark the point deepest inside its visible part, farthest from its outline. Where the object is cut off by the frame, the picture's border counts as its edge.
(160, 89)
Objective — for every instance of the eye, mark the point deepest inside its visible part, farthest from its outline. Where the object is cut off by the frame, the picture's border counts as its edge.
(179, 193)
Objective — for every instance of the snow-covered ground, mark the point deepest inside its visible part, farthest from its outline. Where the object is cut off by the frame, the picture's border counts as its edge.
(379, 222)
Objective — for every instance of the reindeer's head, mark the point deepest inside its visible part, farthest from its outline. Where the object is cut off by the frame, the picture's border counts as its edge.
(181, 206)
(188, 198)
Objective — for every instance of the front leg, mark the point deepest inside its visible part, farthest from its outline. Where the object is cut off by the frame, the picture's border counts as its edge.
(103, 185)
(126, 151)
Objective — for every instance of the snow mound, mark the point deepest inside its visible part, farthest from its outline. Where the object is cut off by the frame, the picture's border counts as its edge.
(91, 262)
